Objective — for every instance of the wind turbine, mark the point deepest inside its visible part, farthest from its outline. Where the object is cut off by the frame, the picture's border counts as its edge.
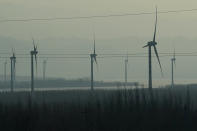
(93, 59)
(173, 62)
(149, 45)
(5, 71)
(13, 63)
(33, 54)
(44, 69)
(126, 66)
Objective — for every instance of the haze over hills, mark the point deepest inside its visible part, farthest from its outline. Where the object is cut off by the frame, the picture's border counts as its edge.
(110, 69)
(114, 35)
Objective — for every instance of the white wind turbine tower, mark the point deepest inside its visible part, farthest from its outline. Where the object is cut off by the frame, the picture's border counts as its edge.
(153, 44)
(13, 62)
(93, 59)
(5, 71)
(173, 62)
(126, 68)
(33, 54)
(44, 69)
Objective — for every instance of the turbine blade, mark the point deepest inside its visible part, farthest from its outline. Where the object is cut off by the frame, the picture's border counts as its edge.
(94, 44)
(155, 32)
(96, 62)
(156, 53)
(174, 61)
(35, 48)
(174, 58)
(33, 41)
(12, 50)
(95, 52)
(145, 46)
(127, 57)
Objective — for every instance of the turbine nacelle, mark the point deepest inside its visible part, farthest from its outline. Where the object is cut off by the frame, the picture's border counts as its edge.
(94, 52)
(173, 59)
(93, 55)
(34, 52)
(35, 48)
(150, 43)
(13, 54)
(13, 57)
(127, 60)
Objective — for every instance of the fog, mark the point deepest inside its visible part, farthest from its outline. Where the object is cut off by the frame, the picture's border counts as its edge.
(113, 35)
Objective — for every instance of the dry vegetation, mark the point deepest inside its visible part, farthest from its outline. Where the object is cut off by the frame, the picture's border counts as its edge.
(102, 110)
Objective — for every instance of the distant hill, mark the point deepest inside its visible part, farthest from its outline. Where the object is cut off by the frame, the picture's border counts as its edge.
(60, 82)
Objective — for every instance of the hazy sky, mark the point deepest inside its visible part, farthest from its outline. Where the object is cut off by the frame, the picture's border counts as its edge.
(113, 35)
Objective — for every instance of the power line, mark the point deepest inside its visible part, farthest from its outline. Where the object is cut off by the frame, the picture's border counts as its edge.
(100, 55)
(95, 16)
(112, 56)
(103, 54)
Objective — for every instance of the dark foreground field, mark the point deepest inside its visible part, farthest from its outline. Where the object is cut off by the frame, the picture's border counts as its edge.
(120, 110)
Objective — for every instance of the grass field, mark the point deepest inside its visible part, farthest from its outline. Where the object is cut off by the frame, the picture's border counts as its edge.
(101, 110)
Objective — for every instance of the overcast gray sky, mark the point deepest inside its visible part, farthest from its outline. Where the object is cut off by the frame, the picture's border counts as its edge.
(113, 35)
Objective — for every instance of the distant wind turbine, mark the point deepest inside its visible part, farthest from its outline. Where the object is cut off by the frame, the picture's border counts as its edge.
(126, 67)
(13, 62)
(33, 54)
(44, 69)
(149, 45)
(93, 59)
(5, 71)
(173, 62)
